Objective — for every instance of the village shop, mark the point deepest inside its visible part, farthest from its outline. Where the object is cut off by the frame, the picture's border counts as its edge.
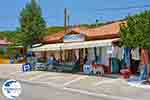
(96, 47)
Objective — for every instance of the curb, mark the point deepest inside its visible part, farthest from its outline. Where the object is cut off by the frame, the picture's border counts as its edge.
(139, 85)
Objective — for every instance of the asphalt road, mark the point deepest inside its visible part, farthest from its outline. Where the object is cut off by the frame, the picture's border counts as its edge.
(32, 91)
(70, 87)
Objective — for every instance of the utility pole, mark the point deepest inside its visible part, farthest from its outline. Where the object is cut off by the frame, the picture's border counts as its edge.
(68, 16)
(65, 20)
(65, 28)
(97, 22)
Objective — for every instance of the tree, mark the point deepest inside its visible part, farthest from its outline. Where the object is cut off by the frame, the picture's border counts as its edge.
(136, 33)
(33, 26)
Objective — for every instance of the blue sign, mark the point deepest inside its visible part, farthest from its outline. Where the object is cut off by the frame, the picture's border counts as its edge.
(74, 38)
(26, 67)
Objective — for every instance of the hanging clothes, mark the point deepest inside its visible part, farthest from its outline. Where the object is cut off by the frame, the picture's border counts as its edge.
(98, 55)
(115, 65)
(115, 50)
(148, 57)
(120, 52)
(135, 60)
(127, 56)
(95, 53)
(115, 61)
(91, 55)
(142, 72)
(135, 54)
(77, 53)
(144, 63)
(143, 56)
(104, 56)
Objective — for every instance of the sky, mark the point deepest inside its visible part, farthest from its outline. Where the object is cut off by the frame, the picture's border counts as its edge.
(80, 11)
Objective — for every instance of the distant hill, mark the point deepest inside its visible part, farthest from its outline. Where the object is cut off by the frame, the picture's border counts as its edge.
(12, 35)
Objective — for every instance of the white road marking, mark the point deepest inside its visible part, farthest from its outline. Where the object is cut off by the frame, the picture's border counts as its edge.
(55, 77)
(38, 76)
(13, 73)
(49, 76)
(44, 83)
(105, 81)
(97, 94)
(75, 80)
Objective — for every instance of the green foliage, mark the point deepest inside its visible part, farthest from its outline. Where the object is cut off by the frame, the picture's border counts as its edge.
(1, 51)
(33, 26)
(15, 36)
(11, 52)
(54, 29)
(9, 35)
(8, 53)
(91, 25)
(136, 31)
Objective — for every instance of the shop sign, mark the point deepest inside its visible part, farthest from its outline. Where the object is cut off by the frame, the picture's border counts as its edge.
(74, 38)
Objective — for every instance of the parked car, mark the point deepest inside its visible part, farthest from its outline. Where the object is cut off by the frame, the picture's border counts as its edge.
(40, 66)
